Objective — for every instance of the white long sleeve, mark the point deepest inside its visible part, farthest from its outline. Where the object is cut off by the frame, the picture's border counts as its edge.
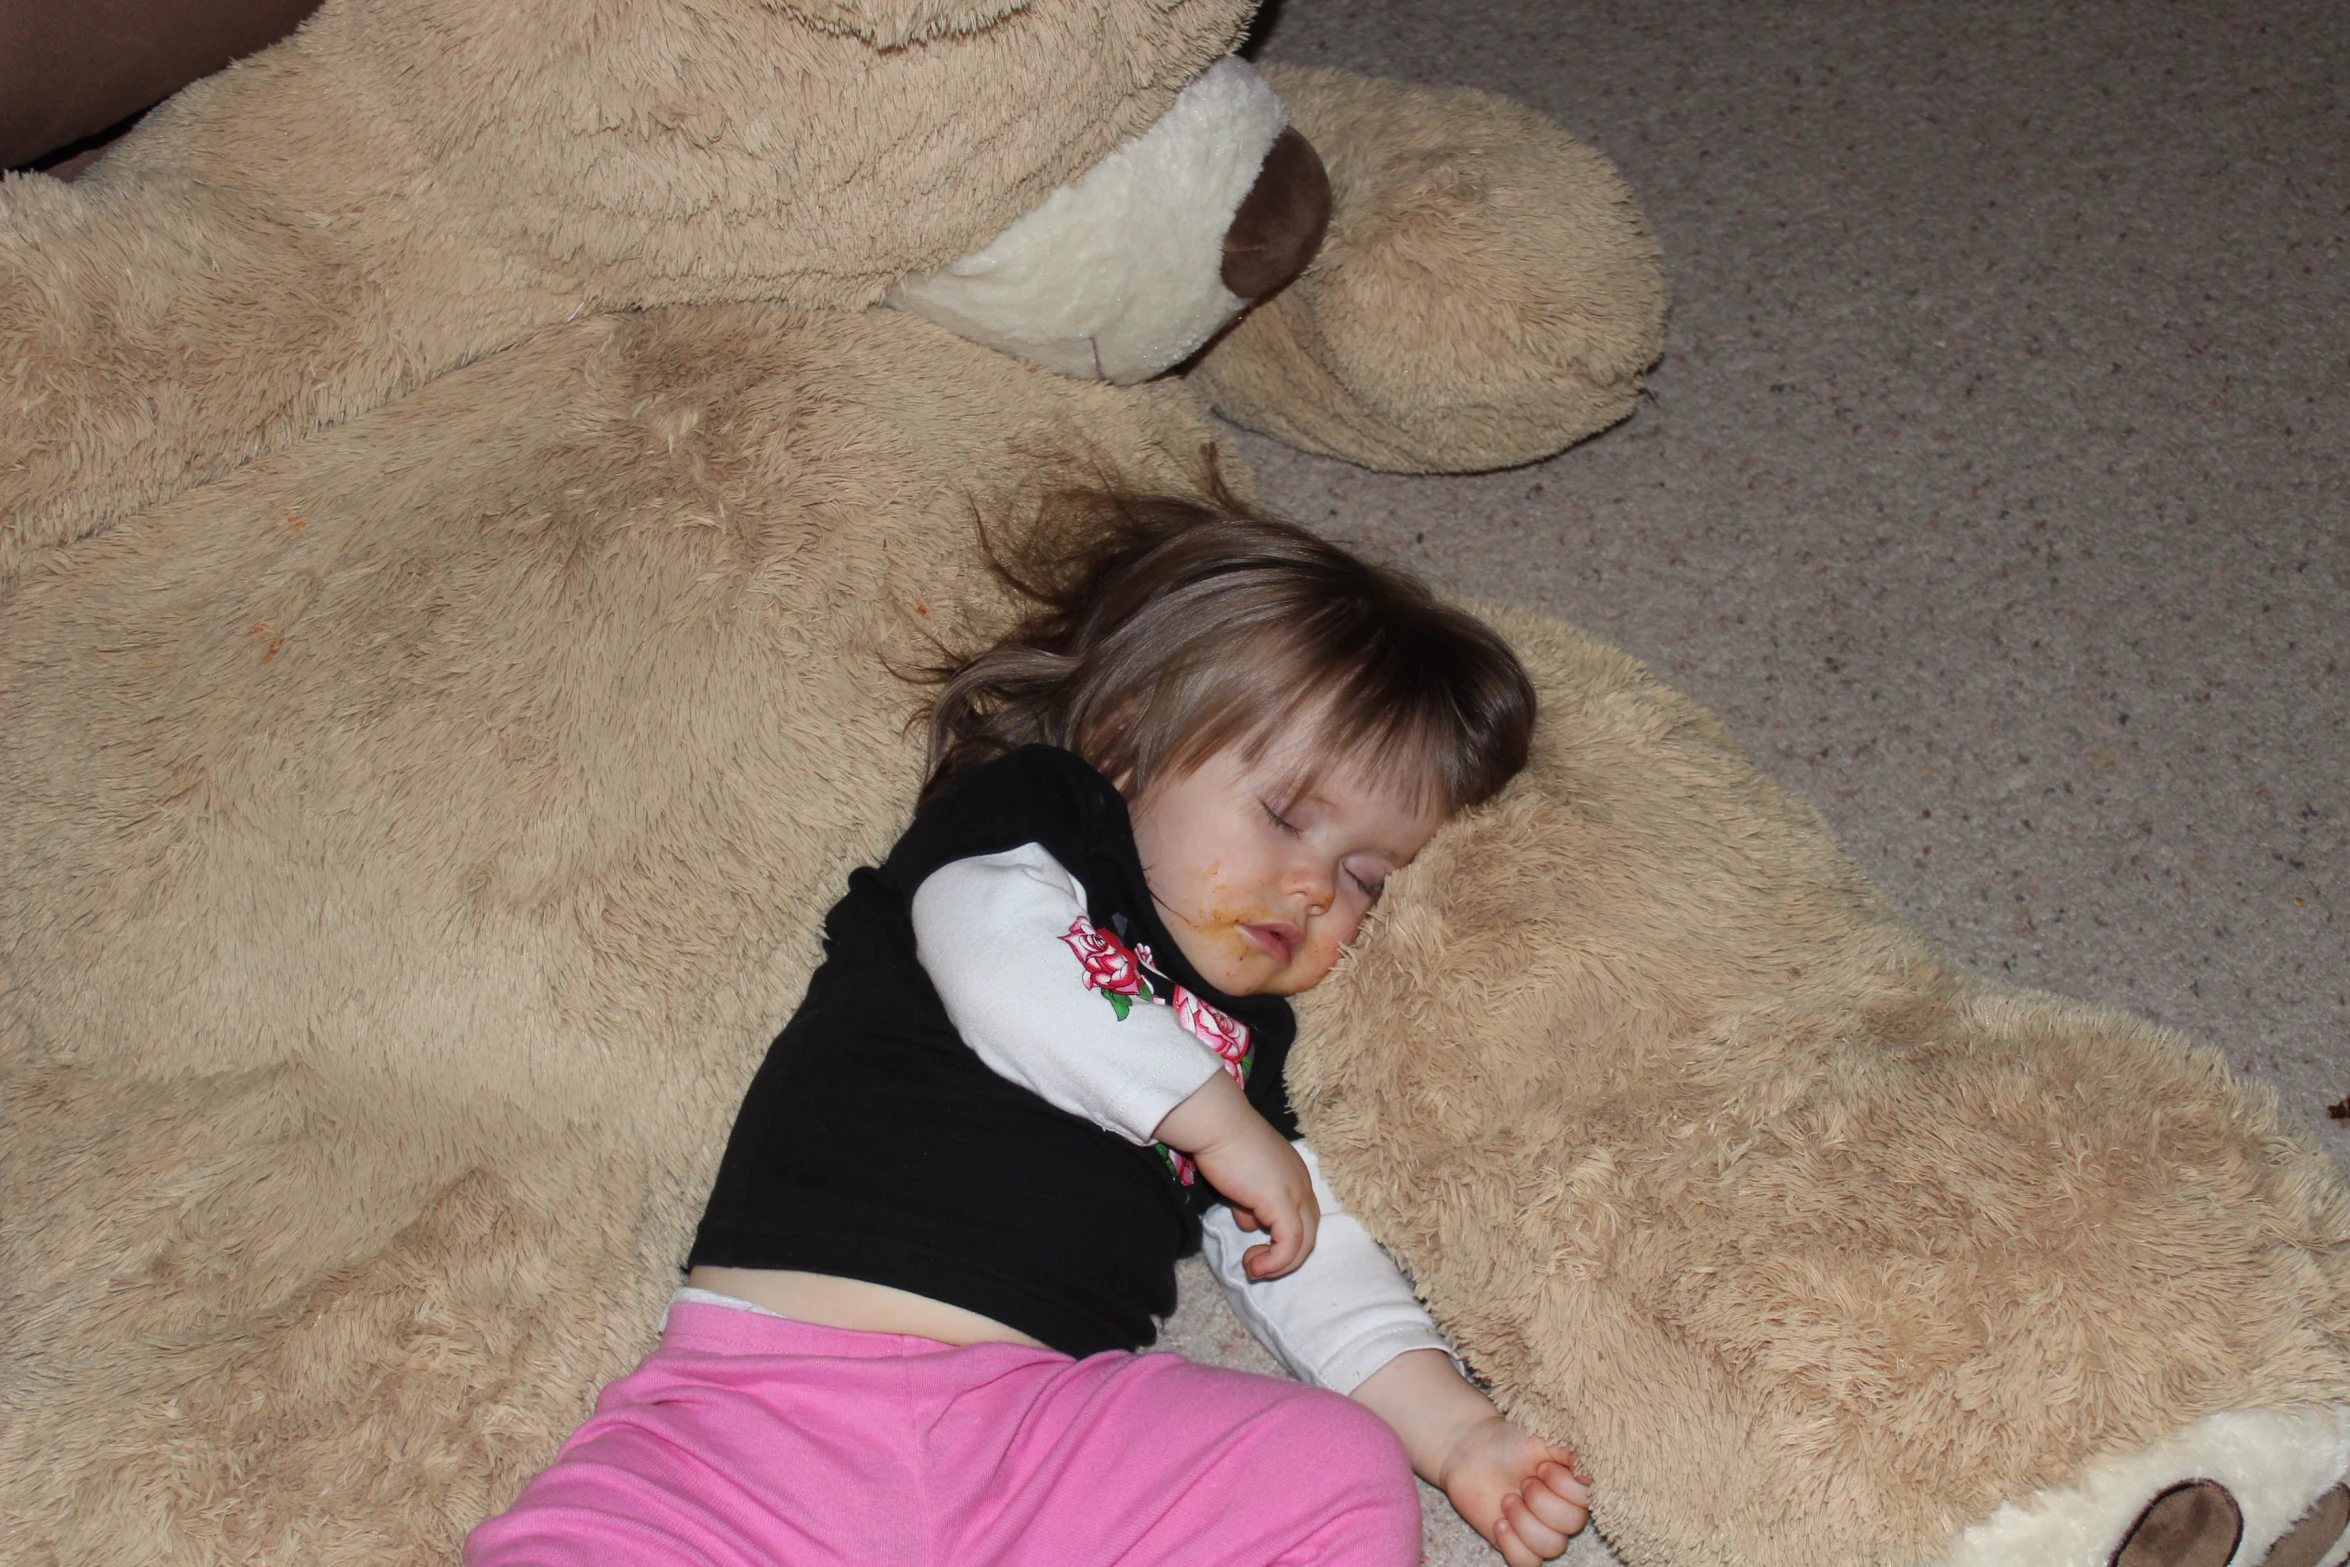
(1345, 1312)
(991, 932)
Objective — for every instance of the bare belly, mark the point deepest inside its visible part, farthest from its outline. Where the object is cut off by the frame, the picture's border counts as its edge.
(830, 1302)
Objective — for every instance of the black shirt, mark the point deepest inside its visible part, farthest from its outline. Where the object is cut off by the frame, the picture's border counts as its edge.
(874, 1144)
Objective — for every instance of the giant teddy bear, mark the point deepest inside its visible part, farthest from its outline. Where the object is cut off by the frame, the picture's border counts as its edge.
(461, 517)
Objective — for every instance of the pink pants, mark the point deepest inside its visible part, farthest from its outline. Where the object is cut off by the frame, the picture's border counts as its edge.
(752, 1441)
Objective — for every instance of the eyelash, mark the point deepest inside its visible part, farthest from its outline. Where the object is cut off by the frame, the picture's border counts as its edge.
(1371, 890)
(1279, 820)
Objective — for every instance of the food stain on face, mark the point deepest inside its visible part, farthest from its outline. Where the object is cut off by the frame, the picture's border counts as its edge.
(1226, 924)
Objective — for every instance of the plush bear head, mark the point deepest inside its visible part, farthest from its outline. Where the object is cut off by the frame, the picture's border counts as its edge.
(400, 188)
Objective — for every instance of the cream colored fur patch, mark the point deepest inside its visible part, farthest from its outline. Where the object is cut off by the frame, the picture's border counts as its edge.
(1119, 275)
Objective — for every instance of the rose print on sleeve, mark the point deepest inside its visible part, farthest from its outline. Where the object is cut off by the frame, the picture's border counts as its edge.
(1121, 974)
(1110, 966)
(1225, 1035)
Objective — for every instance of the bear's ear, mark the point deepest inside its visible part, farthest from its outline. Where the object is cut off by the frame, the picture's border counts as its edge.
(889, 24)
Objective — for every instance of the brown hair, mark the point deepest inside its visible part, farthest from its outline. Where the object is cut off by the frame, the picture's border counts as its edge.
(1165, 630)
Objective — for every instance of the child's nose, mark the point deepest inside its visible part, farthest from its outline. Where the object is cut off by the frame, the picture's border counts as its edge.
(1317, 884)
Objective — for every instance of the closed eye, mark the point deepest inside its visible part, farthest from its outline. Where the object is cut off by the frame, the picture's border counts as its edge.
(1371, 889)
(1279, 820)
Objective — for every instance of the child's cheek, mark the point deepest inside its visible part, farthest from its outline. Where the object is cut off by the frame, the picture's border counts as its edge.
(1218, 926)
(1315, 959)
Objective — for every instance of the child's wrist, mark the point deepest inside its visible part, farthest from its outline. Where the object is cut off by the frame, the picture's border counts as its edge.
(1433, 1408)
(1457, 1442)
(1212, 1114)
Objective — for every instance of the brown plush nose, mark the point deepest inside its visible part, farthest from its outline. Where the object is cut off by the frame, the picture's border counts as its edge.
(1279, 225)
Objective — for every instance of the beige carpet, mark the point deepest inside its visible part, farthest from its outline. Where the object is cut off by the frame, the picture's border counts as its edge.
(1993, 487)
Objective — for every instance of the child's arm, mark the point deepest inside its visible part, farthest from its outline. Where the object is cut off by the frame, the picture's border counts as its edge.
(1348, 1321)
(992, 932)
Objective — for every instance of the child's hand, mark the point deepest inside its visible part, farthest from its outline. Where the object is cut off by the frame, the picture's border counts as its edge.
(1525, 1496)
(1254, 1167)
(1267, 1184)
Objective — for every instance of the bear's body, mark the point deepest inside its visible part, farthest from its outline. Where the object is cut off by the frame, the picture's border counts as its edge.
(536, 904)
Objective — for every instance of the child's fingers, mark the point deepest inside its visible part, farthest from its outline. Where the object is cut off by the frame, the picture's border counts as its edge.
(1292, 1234)
(1548, 1497)
(1564, 1479)
(1514, 1550)
(1542, 1538)
(1270, 1262)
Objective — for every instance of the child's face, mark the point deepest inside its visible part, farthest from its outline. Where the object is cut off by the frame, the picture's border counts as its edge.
(1262, 892)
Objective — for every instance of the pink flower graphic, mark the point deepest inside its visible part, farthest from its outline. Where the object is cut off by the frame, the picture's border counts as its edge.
(1227, 1036)
(1109, 966)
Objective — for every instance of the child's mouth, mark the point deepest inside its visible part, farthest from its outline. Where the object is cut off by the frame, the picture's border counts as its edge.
(1279, 938)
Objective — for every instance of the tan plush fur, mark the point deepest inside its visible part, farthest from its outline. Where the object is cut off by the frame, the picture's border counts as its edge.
(410, 873)
(416, 836)
(405, 185)
(433, 727)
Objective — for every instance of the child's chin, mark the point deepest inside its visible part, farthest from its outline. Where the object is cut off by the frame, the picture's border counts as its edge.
(1290, 981)
(1245, 980)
